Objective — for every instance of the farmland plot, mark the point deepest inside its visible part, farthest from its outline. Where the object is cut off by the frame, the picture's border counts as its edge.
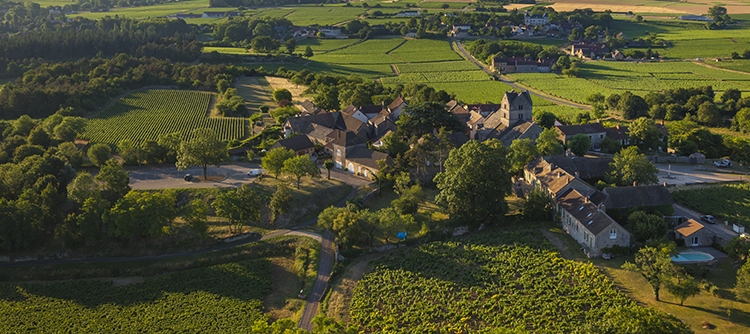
(437, 66)
(497, 279)
(145, 115)
(425, 50)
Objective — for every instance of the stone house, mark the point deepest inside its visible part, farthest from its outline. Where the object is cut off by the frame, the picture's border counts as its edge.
(595, 131)
(652, 199)
(588, 224)
(535, 19)
(694, 234)
(512, 121)
(300, 144)
(359, 159)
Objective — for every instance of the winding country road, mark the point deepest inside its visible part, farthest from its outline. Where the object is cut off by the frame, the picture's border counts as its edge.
(552, 99)
(321, 282)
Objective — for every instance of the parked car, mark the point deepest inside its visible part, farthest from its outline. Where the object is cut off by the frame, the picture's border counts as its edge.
(254, 172)
(708, 219)
(723, 163)
(188, 177)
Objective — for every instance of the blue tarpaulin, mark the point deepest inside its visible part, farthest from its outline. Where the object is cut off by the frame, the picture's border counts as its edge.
(402, 235)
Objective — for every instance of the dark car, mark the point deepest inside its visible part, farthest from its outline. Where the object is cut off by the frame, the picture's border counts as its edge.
(708, 219)
(188, 177)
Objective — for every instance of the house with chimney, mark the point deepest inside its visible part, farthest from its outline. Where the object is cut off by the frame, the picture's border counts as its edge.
(590, 50)
(595, 131)
(535, 19)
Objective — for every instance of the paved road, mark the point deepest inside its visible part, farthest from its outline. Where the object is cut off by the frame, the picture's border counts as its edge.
(719, 229)
(515, 86)
(321, 282)
(350, 178)
(686, 174)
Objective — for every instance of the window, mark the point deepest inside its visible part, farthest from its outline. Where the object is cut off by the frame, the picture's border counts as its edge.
(695, 241)
(613, 233)
(520, 106)
(601, 136)
(338, 152)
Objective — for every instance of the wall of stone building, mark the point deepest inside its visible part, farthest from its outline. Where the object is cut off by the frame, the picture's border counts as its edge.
(355, 168)
(705, 238)
(603, 239)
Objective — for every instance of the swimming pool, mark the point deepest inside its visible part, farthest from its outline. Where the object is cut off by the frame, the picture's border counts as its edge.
(692, 257)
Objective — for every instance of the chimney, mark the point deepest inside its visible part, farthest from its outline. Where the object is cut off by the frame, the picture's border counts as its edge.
(559, 174)
(665, 184)
(634, 184)
(587, 198)
(577, 175)
(618, 126)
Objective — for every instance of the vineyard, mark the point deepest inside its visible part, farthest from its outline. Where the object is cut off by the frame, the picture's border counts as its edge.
(145, 115)
(727, 202)
(219, 299)
(496, 279)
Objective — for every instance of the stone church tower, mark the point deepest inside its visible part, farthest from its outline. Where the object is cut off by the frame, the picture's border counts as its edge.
(516, 106)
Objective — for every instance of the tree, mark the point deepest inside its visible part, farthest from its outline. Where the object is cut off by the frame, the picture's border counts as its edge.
(141, 215)
(195, 215)
(708, 114)
(475, 182)
(283, 113)
(545, 119)
(82, 188)
(114, 180)
(290, 45)
(70, 153)
(580, 144)
(99, 153)
(21, 223)
(389, 219)
(421, 118)
(308, 52)
(328, 99)
(328, 164)
(299, 167)
(731, 94)
(630, 166)
(595, 98)
(395, 146)
(203, 149)
(548, 144)
(537, 206)
(645, 134)
(742, 287)
(23, 125)
(738, 248)
(128, 152)
(282, 94)
(639, 18)
(39, 137)
(654, 264)
(264, 44)
(240, 207)
(274, 160)
(632, 106)
(523, 151)
(280, 201)
(717, 11)
(646, 226)
(684, 289)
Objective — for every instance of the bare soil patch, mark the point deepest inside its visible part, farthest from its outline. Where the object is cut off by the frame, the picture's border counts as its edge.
(343, 289)
(279, 83)
(283, 302)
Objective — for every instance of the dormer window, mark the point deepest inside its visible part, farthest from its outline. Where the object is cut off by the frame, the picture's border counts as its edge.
(613, 233)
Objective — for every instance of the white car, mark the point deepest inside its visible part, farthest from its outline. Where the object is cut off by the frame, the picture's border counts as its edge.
(723, 163)
(254, 172)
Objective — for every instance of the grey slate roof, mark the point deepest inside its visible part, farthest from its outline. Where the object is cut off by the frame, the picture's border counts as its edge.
(295, 143)
(367, 157)
(587, 168)
(638, 196)
(572, 130)
(585, 211)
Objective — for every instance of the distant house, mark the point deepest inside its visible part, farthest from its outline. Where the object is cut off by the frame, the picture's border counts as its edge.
(696, 18)
(309, 107)
(512, 121)
(595, 131)
(622, 35)
(300, 144)
(359, 159)
(219, 14)
(617, 55)
(521, 65)
(412, 33)
(586, 222)
(619, 134)
(586, 168)
(588, 50)
(332, 32)
(535, 19)
(622, 201)
(460, 30)
(694, 234)
(188, 16)
(409, 13)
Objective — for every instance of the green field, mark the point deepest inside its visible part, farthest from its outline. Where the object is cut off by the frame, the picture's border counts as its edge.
(734, 64)
(437, 67)
(640, 78)
(319, 45)
(425, 50)
(144, 115)
(223, 298)
(149, 11)
(727, 202)
(494, 279)
(226, 50)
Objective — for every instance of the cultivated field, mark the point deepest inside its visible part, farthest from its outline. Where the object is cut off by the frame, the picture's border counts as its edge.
(145, 115)
(147, 11)
(727, 202)
(497, 279)
(223, 298)
(640, 78)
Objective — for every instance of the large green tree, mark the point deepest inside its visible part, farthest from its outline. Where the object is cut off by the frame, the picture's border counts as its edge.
(280, 201)
(475, 182)
(141, 215)
(548, 144)
(114, 180)
(523, 151)
(630, 166)
(645, 134)
(274, 160)
(421, 118)
(654, 264)
(203, 149)
(580, 144)
(240, 207)
(301, 166)
(328, 99)
(99, 153)
(646, 226)
(742, 289)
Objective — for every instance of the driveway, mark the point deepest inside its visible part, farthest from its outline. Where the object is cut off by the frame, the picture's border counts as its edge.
(167, 176)
(719, 229)
(686, 174)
